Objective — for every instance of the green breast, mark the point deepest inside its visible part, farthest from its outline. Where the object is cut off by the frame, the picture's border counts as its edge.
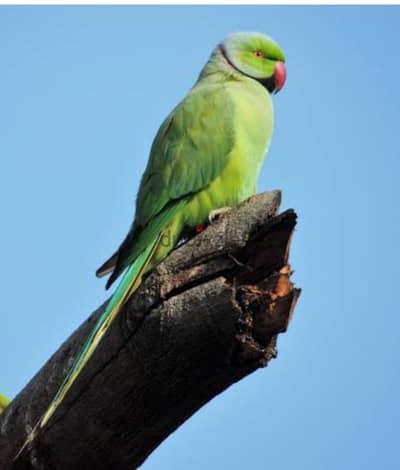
(254, 119)
(253, 124)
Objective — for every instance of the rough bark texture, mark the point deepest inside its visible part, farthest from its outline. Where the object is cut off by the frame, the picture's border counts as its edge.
(205, 318)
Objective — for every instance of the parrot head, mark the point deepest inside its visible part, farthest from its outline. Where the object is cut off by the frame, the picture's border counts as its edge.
(258, 57)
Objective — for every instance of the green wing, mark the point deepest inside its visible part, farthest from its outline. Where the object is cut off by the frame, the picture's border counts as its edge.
(191, 148)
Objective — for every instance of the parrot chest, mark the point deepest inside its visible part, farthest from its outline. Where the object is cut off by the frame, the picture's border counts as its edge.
(253, 129)
(253, 117)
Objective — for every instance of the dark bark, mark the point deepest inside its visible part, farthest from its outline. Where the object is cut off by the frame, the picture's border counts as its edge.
(206, 317)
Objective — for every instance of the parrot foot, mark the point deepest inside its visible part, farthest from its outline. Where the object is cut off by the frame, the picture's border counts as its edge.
(216, 214)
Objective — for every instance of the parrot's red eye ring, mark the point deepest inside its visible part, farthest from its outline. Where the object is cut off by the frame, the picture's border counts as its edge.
(259, 54)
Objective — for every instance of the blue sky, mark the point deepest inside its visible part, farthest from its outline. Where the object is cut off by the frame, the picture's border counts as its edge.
(82, 93)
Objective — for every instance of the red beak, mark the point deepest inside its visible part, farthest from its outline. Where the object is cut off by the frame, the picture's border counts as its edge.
(279, 76)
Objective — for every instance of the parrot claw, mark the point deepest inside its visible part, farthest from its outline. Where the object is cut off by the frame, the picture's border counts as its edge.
(216, 214)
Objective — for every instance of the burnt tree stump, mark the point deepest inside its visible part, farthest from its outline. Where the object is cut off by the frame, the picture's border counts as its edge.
(203, 319)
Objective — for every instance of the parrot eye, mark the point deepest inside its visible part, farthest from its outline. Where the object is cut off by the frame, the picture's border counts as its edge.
(259, 54)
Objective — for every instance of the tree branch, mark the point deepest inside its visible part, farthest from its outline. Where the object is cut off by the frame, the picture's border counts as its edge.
(203, 319)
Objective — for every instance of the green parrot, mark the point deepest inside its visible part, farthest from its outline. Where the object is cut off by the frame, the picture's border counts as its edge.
(206, 155)
(4, 401)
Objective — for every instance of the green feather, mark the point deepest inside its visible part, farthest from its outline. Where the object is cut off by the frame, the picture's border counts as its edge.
(4, 401)
(128, 284)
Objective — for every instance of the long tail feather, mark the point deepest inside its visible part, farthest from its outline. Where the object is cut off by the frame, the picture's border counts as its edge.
(129, 283)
